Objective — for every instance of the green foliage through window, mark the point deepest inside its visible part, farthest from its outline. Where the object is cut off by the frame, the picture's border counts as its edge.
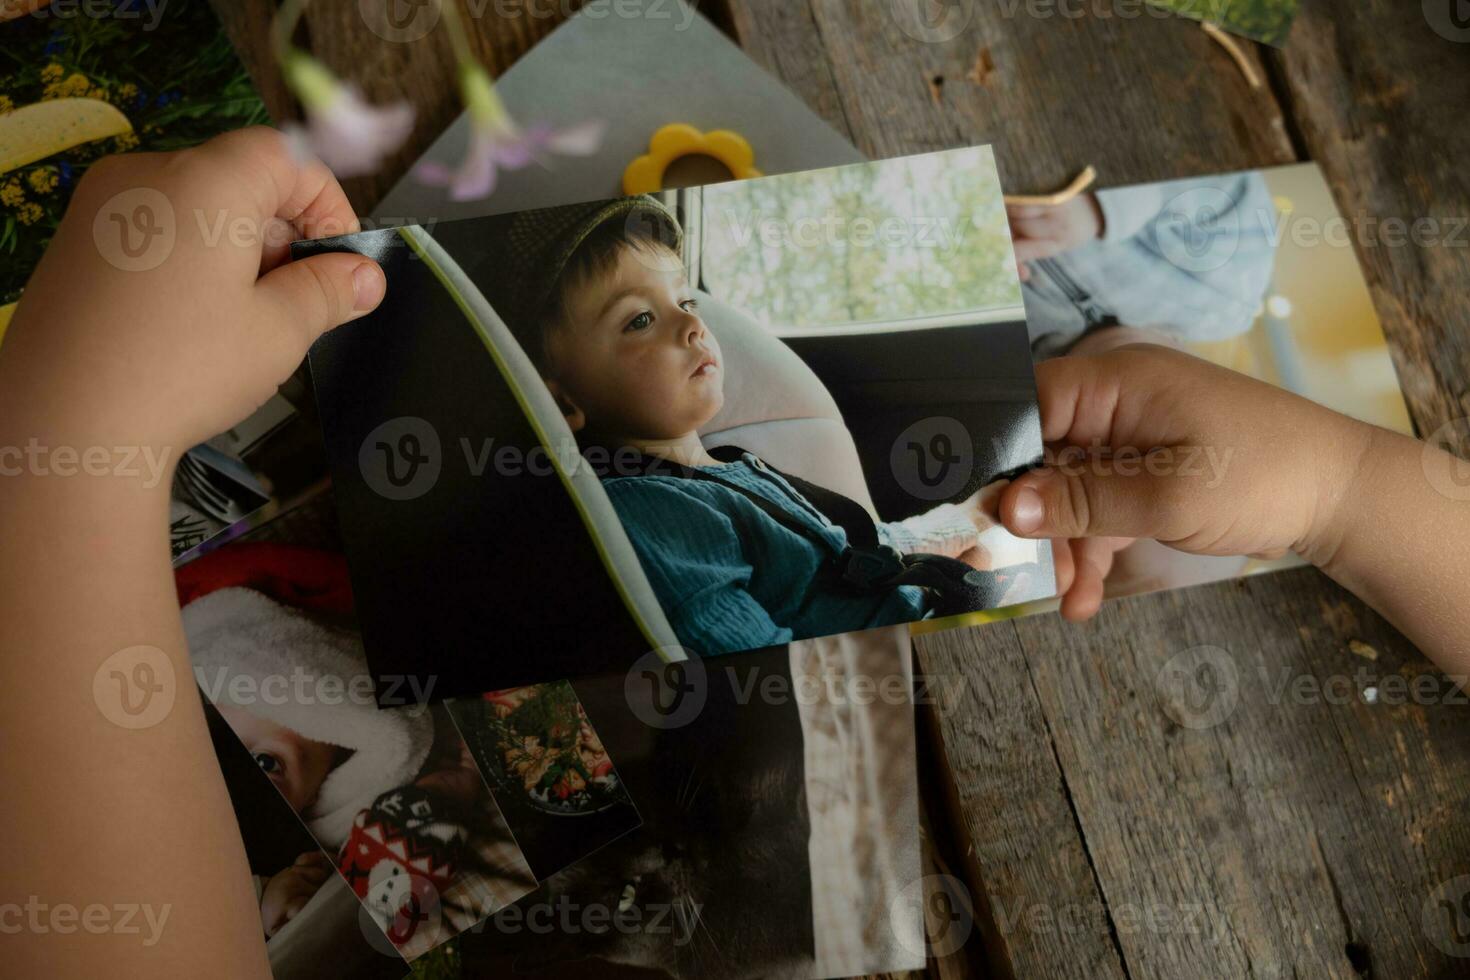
(893, 240)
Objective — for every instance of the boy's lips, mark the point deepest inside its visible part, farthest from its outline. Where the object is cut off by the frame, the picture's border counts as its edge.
(706, 367)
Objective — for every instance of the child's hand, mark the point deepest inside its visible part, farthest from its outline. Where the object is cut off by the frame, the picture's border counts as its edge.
(288, 891)
(981, 508)
(1147, 442)
(1040, 231)
(162, 313)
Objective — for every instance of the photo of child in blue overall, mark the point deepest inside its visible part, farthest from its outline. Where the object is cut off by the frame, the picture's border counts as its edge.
(739, 555)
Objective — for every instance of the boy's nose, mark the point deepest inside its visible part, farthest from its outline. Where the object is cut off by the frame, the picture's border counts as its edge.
(693, 329)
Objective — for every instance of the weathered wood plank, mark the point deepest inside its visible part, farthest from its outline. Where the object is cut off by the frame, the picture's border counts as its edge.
(1038, 909)
(1224, 764)
(784, 38)
(1053, 93)
(1380, 99)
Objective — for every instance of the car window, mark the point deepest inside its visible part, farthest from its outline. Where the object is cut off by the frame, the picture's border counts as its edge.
(922, 238)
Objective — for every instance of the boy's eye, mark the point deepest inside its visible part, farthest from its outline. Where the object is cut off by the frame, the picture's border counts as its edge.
(639, 322)
(268, 763)
(690, 304)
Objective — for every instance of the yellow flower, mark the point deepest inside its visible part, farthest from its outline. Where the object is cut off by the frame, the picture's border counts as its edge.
(126, 141)
(75, 85)
(51, 72)
(30, 213)
(127, 92)
(5, 104)
(11, 194)
(42, 181)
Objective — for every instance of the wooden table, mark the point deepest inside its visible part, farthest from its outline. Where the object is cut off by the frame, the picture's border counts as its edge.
(1100, 827)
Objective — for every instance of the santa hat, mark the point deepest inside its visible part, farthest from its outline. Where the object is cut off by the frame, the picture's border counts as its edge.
(239, 632)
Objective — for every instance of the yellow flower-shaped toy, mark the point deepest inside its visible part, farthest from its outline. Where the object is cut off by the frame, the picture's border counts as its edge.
(646, 173)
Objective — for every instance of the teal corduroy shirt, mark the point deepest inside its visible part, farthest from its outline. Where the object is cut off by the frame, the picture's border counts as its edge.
(729, 576)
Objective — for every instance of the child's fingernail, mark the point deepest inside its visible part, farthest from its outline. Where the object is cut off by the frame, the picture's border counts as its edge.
(368, 286)
(1027, 510)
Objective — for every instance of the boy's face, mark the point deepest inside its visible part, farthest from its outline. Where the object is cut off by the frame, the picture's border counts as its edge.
(298, 766)
(632, 359)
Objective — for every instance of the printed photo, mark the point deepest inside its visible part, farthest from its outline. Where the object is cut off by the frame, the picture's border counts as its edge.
(714, 420)
(1267, 21)
(550, 772)
(1255, 271)
(78, 86)
(780, 835)
(393, 797)
(307, 914)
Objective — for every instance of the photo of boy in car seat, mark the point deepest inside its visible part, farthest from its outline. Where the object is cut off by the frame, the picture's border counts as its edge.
(740, 554)
(569, 417)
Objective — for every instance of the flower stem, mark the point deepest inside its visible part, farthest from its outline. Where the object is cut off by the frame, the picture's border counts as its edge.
(459, 38)
(283, 25)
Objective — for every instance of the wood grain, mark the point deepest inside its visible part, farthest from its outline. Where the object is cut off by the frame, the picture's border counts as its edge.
(1060, 91)
(1380, 100)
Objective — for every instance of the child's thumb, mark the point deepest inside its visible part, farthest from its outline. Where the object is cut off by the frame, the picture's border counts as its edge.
(1081, 502)
(319, 292)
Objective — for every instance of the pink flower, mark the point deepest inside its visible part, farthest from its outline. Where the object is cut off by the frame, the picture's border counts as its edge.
(348, 134)
(496, 142)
